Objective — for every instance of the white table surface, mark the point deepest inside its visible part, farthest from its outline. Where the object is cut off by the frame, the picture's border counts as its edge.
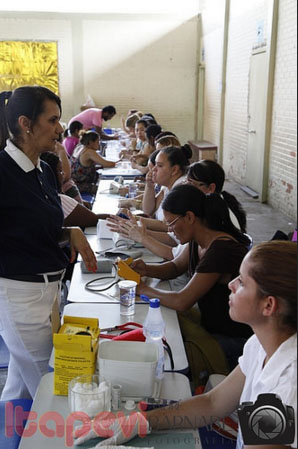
(105, 202)
(109, 316)
(120, 170)
(77, 291)
(175, 386)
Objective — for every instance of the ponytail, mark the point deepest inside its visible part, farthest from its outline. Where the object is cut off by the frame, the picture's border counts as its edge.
(210, 172)
(217, 217)
(236, 208)
(4, 133)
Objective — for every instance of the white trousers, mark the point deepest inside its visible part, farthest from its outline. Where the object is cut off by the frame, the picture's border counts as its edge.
(25, 326)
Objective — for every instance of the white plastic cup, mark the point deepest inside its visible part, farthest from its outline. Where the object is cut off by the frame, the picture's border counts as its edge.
(127, 297)
(89, 393)
(132, 190)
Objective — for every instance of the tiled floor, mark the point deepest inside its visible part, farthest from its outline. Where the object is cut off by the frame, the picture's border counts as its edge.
(262, 220)
(262, 223)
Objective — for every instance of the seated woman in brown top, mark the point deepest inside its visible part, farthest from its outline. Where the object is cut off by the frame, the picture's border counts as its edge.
(213, 258)
(84, 163)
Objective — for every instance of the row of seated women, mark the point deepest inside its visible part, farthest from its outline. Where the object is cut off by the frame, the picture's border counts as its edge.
(263, 297)
(200, 230)
(193, 230)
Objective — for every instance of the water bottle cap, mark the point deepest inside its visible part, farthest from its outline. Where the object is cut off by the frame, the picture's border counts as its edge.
(154, 303)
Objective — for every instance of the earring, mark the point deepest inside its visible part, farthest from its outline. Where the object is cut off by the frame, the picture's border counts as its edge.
(28, 131)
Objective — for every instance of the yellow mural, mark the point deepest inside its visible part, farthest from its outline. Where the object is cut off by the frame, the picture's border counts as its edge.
(28, 63)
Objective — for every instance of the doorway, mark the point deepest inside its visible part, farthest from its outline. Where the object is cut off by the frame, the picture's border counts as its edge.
(256, 130)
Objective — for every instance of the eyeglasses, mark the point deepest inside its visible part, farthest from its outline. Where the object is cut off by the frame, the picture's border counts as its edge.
(173, 221)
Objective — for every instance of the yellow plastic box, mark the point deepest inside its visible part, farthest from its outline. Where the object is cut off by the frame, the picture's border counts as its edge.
(75, 351)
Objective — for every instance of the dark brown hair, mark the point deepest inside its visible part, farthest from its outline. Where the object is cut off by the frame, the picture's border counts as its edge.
(273, 266)
(28, 101)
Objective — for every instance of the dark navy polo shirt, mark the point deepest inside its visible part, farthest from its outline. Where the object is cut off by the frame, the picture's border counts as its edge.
(31, 216)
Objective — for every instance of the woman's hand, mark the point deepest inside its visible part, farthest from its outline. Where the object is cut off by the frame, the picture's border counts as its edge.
(79, 243)
(133, 163)
(139, 266)
(141, 288)
(128, 228)
(149, 180)
(117, 429)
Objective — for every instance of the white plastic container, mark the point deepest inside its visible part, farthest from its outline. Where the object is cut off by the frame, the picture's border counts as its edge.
(131, 364)
(102, 230)
(127, 297)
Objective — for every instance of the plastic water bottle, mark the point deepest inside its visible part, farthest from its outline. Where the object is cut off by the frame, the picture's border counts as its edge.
(154, 330)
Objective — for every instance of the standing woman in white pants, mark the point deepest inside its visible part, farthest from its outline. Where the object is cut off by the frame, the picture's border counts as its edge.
(32, 262)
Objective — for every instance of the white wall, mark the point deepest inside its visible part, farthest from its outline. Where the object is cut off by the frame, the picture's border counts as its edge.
(242, 37)
(147, 62)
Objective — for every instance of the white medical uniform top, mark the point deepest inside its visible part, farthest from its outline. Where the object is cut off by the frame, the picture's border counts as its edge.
(279, 375)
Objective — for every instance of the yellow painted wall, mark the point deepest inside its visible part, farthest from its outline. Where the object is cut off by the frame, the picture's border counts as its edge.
(147, 62)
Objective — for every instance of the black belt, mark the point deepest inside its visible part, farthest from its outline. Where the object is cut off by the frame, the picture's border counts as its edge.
(33, 277)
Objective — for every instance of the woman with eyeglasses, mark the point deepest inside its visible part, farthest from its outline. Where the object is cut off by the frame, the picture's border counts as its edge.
(209, 177)
(212, 258)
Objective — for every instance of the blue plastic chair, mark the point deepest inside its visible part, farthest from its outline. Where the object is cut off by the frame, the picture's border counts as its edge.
(10, 434)
(87, 197)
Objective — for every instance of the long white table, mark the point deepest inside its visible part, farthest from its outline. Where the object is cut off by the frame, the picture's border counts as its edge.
(105, 305)
(52, 424)
(123, 168)
(77, 291)
(109, 316)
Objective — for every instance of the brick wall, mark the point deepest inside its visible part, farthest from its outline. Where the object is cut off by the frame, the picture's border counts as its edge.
(242, 37)
(245, 17)
(283, 150)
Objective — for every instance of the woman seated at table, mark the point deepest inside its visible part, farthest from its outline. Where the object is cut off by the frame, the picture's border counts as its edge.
(263, 296)
(72, 137)
(75, 214)
(169, 170)
(140, 145)
(128, 123)
(215, 252)
(209, 177)
(68, 187)
(140, 160)
(166, 139)
(84, 166)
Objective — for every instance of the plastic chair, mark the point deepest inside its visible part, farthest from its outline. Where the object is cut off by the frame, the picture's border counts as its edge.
(10, 431)
(87, 197)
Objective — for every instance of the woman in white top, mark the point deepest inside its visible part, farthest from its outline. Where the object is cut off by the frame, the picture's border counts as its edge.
(209, 177)
(263, 296)
(169, 170)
